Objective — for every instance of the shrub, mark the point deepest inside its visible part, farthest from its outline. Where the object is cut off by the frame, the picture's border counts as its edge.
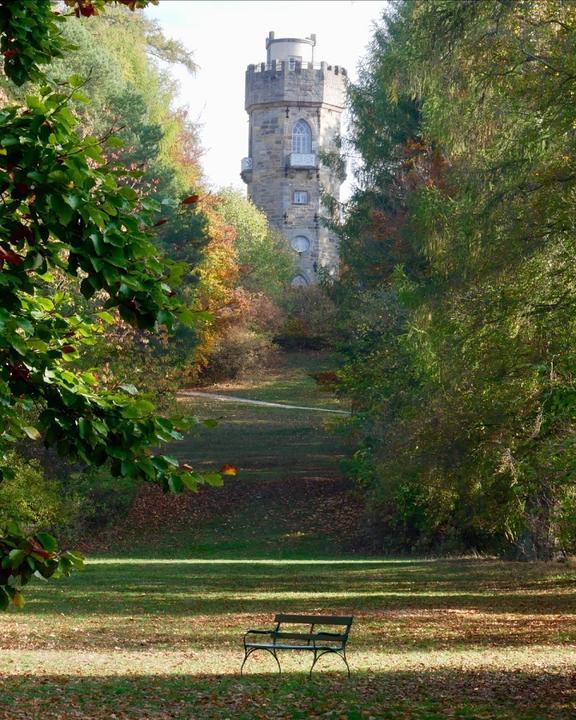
(30, 498)
(311, 320)
(237, 352)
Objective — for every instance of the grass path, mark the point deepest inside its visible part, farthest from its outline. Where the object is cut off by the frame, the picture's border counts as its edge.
(183, 394)
(152, 629)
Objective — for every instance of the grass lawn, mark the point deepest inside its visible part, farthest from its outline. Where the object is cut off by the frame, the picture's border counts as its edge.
(153, 628)
(289, 382)
(434, 639)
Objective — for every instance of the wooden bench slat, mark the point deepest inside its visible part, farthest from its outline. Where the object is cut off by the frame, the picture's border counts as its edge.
(272, 646)
(315, 619)
(309, 636)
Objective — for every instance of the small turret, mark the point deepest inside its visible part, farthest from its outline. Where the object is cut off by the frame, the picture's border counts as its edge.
(290, 49)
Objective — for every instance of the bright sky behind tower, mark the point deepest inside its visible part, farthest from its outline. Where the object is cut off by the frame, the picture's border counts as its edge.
(227, 36)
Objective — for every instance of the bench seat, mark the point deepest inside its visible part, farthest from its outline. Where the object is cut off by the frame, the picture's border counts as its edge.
(319, 642)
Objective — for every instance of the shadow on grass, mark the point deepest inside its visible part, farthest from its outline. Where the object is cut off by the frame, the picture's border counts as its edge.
(399, 605)
(426, 695)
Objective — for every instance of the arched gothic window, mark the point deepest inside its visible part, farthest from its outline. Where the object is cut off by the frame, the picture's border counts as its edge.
(299, 281)
(302, 138)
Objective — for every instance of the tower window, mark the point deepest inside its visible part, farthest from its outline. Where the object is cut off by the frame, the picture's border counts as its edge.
(300, 197)
(292, 62)
(302, 138)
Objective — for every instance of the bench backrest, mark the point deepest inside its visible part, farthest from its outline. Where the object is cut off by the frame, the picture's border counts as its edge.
(343, 620)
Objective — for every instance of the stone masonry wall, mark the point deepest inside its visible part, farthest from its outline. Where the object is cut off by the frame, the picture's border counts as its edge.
(275, 101)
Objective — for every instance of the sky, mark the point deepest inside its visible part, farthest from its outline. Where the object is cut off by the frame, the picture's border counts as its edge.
(226, 36)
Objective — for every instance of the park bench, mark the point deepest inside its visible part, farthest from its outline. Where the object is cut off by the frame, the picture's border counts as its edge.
(319, 642)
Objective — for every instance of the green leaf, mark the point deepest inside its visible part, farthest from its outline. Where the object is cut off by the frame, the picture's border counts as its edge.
(98, 243)
(193, 317)
(84, 427)
(75, 81)
(213, 478)
(32, 432)
(175, 484)
(45, 303)
(138, 408)
(73, 200)
(191, 481)
(47, 541)
(76, 558)
(114, 142)
(129, 468)
(106, 316)
(16, 558)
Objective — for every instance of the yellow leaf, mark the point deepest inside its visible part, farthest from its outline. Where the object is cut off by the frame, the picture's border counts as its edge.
(228, 470)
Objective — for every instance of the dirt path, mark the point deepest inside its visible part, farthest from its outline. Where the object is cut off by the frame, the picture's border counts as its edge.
(183, 394)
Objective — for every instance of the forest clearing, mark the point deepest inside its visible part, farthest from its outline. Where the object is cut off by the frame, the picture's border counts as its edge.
(345, 391)
(156, 631)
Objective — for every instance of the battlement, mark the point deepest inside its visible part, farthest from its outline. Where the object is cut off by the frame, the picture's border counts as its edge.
(295, 83)
(287, 66)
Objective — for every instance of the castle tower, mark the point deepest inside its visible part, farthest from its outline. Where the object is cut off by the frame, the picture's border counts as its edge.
(294, 109)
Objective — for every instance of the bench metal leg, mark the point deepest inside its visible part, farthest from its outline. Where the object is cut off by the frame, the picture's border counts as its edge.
(249, 652)
(343, 656)
(318, 655)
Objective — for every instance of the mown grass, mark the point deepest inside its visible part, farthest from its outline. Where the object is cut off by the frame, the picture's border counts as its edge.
(290, 381)
(432, 639)
(153, 628)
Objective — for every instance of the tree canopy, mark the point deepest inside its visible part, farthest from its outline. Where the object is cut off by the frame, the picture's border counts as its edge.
(458, 294)
(75, 221)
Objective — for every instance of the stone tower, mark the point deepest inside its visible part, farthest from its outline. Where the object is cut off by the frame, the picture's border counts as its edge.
(294, 109)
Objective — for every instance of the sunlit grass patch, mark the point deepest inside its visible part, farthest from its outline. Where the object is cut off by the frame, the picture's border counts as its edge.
(153, 629)
(469, 639)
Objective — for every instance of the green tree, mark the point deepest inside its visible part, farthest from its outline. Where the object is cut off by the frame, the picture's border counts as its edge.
(266, 263)
(69, 218)
(463, 223)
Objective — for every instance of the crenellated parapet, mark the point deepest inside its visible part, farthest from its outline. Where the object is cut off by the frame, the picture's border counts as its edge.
(296, 84)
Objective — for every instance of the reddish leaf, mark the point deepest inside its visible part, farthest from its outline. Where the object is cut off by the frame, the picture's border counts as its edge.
(22, 233)
(87, 10)
(34, 546)
(11, 257)
(19, 372)
(190, 200)
(21, 189)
